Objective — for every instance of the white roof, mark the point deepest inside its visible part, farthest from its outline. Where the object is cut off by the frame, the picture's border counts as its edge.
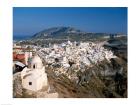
(36, 59)
(33, 73)
(19, 63)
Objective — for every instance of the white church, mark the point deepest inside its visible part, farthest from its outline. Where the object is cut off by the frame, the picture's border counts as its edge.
(34, 78)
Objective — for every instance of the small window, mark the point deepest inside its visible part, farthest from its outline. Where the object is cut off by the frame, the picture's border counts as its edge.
(34, 66)
(30, 83)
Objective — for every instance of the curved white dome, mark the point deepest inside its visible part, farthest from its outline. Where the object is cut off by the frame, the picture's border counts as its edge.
(36, 62)
(36, 59)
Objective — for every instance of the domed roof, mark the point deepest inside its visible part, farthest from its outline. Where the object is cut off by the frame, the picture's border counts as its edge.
(36, 59)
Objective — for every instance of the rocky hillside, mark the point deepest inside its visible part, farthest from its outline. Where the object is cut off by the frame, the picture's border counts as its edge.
(56, 31)
(103, 74)
(99, 81)
(65, 33)
(104, 79)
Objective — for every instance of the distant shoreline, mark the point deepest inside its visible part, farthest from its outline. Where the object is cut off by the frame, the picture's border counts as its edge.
(21, 37)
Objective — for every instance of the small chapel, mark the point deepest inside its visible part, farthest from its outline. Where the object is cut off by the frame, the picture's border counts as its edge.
(34, 77)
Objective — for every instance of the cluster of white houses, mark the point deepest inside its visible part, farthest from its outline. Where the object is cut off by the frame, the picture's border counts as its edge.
(67, 55)
(75, 55)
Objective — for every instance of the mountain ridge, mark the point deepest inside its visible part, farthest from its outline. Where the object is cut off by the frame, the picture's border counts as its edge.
(54, 31)
(72, 33)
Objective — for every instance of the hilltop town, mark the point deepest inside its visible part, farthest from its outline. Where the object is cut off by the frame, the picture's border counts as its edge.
(70, 69)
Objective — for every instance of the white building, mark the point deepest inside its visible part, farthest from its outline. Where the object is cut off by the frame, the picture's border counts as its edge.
(34, 78)
(69, 43)
(27, 56)
(65, 63)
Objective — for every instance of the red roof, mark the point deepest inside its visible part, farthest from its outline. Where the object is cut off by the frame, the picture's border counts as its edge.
(19, 57)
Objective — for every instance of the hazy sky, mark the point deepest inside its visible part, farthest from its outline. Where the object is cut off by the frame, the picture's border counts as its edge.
(30, 20)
